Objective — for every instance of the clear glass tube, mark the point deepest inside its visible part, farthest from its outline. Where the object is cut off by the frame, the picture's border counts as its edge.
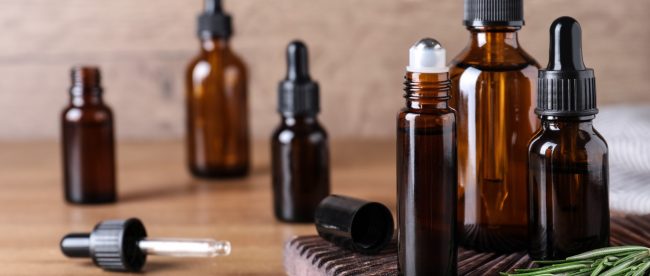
(177, 247)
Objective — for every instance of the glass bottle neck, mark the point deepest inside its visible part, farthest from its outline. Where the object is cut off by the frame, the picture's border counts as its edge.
(293, 120)
(494, 36)
(427, 90)
(80, 96)
(210, 44)
(86, 86)
(554, 123)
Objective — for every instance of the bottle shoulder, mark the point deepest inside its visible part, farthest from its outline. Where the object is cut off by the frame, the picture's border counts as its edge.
(488, 59)
(216, 58)
(285, 133)
(89, 114)
(409, 113)
(560, 143)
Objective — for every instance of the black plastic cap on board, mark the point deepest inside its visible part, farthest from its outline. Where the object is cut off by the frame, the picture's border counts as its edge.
(113, 245)
(362, 226)
(566, 88)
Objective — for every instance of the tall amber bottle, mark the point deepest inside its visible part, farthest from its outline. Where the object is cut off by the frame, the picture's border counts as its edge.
(426, 166)
(217, 113)
(299, 150)
(87, 141)
(493, 93)
(569, 173)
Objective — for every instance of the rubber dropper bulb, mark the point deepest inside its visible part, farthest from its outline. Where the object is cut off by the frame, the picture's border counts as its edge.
(213, 6)
(297, 62)
(427, 56)
(566, 45)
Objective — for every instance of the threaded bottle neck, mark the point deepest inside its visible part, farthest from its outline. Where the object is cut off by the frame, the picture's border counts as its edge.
(86, 76)
(86, 85)
(427, 90)
(494, 35)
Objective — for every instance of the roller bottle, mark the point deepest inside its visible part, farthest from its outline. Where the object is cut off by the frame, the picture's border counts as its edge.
(88, 141)
(426, 166)
(299, 148)
(569, 174)
(493, 92)
(216, 113)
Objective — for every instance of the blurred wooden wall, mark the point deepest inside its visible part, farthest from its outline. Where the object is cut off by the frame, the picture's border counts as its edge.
(358, 53)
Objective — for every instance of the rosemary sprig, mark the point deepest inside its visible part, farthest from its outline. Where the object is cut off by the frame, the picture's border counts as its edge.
(609, 261)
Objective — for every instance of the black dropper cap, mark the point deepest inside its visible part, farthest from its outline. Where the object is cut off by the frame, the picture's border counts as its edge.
(566, 87)
(298, 94)
(362, 226)
(113, 245)
(494, 13)
(213, 21)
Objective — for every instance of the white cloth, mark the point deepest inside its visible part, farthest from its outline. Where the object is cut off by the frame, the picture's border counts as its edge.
(626, 129)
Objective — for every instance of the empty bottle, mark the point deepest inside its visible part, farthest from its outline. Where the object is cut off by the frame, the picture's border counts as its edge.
(493, 92)
(426, 166)
(568, 168)
(88, 141)
(300, 155)
(217, 112)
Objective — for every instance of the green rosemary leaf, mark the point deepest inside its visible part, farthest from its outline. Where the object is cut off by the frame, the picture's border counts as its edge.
(633, 256)
(642, 269)
(618, 269)
(599, 268)
(551, 270)
(606, 251)
(565, 263)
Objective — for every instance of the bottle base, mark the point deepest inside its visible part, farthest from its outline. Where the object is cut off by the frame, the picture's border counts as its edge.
(295, 219)
(237, 172)
(91, 201)
(500, 239)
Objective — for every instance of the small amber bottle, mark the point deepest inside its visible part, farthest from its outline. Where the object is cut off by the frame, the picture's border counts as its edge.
(217, 115)
(493, 92)
(426, 166)
(87, 141)
(300, 155)
(569, 206)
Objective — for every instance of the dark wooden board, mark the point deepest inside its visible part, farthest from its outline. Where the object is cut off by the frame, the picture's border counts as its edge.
(313, 256)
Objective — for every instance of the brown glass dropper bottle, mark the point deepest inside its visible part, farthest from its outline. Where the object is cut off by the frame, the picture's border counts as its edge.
(300, 154)
(426, 166)
(217, 112)
(493, 92)
(567, 161)
(88, 141)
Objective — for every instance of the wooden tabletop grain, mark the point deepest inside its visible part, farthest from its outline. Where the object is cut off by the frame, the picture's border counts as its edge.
(155, 187)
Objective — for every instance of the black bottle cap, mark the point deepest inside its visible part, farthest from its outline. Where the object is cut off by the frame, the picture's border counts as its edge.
(113, 245)
(298, 94)
(214, 22)
(363, 226)
(566, 87)
(494, 13)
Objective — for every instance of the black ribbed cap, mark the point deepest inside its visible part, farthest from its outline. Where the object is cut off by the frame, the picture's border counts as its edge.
(494, 13)
(213, 21)
(113, 245)
(566, 87)
(355, 224)
(298, 94)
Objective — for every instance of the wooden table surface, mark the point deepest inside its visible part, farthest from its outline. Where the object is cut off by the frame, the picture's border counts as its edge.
(155, 187)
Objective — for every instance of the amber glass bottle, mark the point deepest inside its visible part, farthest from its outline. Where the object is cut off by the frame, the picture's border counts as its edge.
(217, 115)
(569, 206)
(493, 93)
(300, 155)
(426, 167)
(87, 141)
